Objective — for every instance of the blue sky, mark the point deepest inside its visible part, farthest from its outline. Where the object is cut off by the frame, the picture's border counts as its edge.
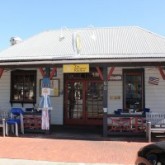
(25, 18)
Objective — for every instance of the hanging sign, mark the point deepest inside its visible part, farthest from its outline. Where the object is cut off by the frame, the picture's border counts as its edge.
(76, 42)
(45, 91)
(115, 77)
(76, 68)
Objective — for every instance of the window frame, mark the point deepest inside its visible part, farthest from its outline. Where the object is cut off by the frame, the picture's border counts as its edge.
(23, 74)
(134, 72)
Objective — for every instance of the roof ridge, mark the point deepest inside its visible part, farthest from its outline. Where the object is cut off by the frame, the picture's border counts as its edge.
(88, 27)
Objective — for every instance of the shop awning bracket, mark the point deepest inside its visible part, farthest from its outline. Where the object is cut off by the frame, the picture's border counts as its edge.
(43, 72)
(109, 74)
(100, 73)
(161, 72)
(1, 72)
(54, 70)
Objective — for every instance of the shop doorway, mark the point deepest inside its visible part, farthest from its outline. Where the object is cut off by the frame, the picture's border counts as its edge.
(83, 102)
(133, 86)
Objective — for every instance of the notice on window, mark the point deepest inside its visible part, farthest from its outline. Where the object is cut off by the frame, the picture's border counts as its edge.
(76, 68)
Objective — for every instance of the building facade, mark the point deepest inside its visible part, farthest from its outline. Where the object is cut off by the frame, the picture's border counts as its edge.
(118, 68)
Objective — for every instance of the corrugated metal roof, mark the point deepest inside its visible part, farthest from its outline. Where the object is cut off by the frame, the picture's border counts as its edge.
(93, 43)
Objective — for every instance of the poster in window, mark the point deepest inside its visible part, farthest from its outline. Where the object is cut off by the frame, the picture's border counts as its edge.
(54, 87)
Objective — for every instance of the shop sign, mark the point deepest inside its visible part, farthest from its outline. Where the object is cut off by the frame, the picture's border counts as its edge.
(116, 77)
(76, 68)
(76, 42)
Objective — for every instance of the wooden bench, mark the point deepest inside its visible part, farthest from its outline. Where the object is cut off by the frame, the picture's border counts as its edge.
(155, 123)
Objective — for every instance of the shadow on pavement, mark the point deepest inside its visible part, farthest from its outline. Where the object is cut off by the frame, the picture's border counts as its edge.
(82, 133)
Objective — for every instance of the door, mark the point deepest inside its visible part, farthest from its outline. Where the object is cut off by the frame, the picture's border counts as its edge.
(74, 102)
(133, 86)
(83, 102)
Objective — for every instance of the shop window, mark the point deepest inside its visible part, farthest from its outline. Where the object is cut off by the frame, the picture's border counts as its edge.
(133, 88)
(23, 86)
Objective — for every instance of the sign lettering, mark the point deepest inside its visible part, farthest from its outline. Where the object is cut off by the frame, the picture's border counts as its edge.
(76, 68)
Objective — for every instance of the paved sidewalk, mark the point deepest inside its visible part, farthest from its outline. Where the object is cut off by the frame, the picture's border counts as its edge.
(34, 162)
(64, 151)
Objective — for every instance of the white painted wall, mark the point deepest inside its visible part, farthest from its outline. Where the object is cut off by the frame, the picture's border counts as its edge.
(57, 102)
(115, 89)
(154, 94)
(5, 91)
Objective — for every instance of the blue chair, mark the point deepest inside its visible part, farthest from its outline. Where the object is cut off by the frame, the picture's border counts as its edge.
(145, 110)
(15, 120)
(118, 111)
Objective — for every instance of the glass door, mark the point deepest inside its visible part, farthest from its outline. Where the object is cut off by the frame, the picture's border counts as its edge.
(83, 102)
(74, 101)
(94, 100)
(133, 90)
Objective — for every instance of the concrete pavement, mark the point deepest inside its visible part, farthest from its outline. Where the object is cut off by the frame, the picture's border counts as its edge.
(69, 147)
(39, 150)
(4, 161)
(33, 162)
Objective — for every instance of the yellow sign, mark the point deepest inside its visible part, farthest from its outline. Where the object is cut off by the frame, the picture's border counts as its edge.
(76, 68)
(78, 43)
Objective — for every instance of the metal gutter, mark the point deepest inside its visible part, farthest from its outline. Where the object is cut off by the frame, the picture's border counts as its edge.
(78, 61)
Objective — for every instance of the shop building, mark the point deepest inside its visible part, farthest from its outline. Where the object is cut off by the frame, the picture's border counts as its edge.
(93, 72)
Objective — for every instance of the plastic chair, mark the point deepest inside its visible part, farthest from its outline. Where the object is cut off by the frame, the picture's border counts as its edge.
(15, 120)
(145, 110)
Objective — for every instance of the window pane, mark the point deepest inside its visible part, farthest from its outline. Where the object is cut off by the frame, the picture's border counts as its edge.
(23, 86)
